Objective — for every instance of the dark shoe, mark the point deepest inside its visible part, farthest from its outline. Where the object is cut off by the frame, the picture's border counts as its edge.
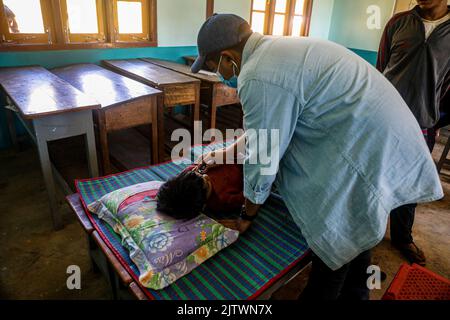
(412, 252)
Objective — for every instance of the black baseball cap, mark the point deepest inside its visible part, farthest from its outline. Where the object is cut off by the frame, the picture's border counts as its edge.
(219, 32)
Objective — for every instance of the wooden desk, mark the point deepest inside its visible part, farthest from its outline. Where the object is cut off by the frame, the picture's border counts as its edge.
(212, 91)
(50, 109)
(178, 89)
(190, 60)
(125, 103)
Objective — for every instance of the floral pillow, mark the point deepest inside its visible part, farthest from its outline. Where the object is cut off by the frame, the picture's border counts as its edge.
(164, 249)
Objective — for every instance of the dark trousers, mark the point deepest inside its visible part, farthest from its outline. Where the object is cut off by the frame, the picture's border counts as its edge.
(402, 220)
(347, 283)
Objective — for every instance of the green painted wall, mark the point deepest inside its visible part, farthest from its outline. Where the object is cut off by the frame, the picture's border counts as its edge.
(51, 59)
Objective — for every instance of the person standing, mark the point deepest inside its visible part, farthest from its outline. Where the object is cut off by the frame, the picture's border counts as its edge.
(414, 55)
(344, 147)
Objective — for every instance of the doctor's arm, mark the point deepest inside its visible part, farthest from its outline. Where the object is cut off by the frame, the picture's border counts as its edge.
(270, 118)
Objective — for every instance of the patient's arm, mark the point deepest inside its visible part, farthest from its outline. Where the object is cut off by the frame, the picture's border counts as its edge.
(230, 223)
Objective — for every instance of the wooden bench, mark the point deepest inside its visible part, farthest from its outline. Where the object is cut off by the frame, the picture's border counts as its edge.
(50, 109)
(121, 282)
(125, 103)
(213, 92)
(178, 89)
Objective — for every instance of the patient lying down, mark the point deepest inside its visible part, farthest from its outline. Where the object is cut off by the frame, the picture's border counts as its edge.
(217, 192)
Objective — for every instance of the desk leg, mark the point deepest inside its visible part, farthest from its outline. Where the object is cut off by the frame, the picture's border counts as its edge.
(104, 146)
(12, 128)
(196, 107)
(213, 118)
(49, 181)
(91, 150)
(161, 129)
(156, 103)
(59, 127)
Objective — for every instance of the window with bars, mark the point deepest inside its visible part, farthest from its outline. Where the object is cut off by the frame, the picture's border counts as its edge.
(281, 17)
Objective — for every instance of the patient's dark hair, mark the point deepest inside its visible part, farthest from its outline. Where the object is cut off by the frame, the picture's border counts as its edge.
(183, 196)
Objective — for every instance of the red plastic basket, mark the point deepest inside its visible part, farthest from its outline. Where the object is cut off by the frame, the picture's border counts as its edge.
(417, 283)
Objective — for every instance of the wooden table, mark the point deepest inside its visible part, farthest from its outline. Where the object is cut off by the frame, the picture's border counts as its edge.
(213, 92)
(125, 103)
(178, 89)
(190, 60)
(50, 109)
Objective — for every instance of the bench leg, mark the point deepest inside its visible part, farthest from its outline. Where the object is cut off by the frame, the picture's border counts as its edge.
(157, 103)
(161, 133)
(48, 179)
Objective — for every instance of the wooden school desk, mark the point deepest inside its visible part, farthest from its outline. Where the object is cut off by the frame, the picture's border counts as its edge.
(50, 109)
(178, 89)
(125, 103)
(213, 92)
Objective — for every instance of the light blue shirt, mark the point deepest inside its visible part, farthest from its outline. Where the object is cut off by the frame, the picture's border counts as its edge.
(350, 149)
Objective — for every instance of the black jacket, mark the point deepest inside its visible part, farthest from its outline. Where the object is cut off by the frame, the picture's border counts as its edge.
(418, 68)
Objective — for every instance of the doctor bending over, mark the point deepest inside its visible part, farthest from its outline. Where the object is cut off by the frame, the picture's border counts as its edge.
(348, 149)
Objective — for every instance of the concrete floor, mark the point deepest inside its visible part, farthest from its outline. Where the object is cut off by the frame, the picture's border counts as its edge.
(34, 258)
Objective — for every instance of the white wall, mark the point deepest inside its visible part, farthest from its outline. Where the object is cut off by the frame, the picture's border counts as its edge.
(240, 7)
(321, 15)
(179, 21)
(349, 23)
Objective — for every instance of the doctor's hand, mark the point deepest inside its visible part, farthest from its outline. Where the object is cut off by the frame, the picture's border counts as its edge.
(212, 159)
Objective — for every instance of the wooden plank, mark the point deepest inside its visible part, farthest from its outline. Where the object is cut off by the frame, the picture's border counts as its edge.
(147, 73)
(120, 270)
(184, 69)
(37, 92)
(75, 204)
(107, 87)
(137, 292)
(131, 114)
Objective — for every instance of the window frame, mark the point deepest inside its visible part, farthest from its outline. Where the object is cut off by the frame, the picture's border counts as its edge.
(289, 17)
(84, 37)
(60, 39)
(48, 37)
(133, 37)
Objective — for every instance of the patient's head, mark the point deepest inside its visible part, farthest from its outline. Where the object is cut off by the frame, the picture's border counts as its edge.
(184, 196)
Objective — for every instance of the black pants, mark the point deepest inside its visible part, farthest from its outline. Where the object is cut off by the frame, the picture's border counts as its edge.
(402, 220)
(347, 283)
